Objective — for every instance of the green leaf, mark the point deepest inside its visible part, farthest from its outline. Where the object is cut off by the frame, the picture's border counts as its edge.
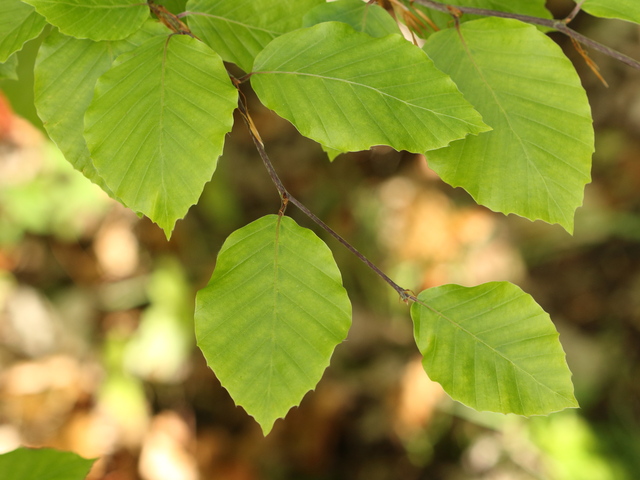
(19, 23)
(492, 348)
(239, 29)
(350, 91)
(537, 159)
(534, 8)
(157, 124)
(271, 316)
(370, 19)
(96, 20)
(331, 153)
(9, 69)
(68, 67)
(37, 464)
(175, 6)
(623, 9)
(367, 18)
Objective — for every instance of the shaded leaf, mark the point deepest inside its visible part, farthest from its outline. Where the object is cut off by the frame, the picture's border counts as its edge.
(240, 29)
(9, 69)
(370, 19)
(101, 20)
(623, 9)
(492, 348)
(67, 67)
(157, 123)
(36, 464)
(175, 6)
(271, 316)
(19, 23)
(350, 91)
(537, 159)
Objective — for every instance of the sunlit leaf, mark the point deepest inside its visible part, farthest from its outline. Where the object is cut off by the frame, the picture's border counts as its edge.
(38, 464)
(19, 23)
(238, 30)
(271, 316)
(175, 6)
(371, 19)
(622, 9)
(157, 124)
(349, 91)
(68, 67)
(96, 20)
(537, 159)
(492, 348)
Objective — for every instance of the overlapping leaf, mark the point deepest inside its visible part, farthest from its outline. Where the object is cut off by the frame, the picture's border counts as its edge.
(271, 316)
(367, 18)
(36, 464)
(534, 8)
(349, 91)
(157, 123)
(370, 19)
(240, 29)
(623, 9)
(68, 67)
(9, 69)
(537, 159)
(96, 20)
(19, 23)
(492, 348)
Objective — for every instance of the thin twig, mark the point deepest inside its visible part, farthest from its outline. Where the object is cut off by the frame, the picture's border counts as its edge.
(558, 25)
(574, 12)
(286, 197)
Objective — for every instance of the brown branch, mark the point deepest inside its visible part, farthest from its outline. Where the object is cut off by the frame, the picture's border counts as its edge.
(286, 197)
(559, 25)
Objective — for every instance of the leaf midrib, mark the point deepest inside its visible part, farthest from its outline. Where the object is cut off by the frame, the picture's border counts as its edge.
(352, 83)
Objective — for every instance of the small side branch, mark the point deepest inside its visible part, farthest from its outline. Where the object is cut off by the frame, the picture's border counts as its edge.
(559, 25)
(286, 198)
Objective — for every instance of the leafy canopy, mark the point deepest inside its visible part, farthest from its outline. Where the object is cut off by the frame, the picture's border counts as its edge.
(493, 103)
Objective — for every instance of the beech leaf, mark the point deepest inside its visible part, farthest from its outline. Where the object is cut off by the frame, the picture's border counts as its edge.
(537, 159)
(19, 23)
(157, 124)
(492, 348)
(96, 20)
(271, 316)
(350, 91)
(239, 29)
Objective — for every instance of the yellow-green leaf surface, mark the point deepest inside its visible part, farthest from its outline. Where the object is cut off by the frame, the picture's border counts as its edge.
(43, 463)
(68, 67)
(271, 316)
(239, 29)
(95, 19)
(537, 159)
(19, 23)
(363, 17)
(623, 9)
(9, 69)
(492, 348)
(367, 18)
(350, 91)
(157, 124)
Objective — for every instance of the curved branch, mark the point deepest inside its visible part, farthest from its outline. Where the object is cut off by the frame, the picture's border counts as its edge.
(558, 25)
(286, 197)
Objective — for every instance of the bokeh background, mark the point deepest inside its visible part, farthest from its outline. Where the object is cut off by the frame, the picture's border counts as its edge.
(97, 351)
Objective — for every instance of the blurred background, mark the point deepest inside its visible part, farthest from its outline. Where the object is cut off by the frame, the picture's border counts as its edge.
(97, 350)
